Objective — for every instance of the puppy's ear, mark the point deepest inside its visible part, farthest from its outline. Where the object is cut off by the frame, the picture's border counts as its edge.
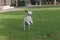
(26, 11)
(29, 10)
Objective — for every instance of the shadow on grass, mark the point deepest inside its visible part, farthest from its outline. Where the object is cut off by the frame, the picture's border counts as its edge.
(13, 28)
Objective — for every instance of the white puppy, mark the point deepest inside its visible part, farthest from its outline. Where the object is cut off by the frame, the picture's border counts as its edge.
(28, 20)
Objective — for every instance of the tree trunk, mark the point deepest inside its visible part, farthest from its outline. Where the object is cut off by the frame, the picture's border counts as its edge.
(26, 2)
(4, 2)
(54, 2)
(40, 2)
(16, 3)
(29, 3)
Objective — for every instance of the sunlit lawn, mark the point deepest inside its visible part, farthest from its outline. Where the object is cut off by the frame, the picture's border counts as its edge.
(46, 20)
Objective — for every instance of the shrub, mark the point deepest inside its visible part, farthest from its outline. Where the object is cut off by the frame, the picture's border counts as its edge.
(21, 3)
(33, 2)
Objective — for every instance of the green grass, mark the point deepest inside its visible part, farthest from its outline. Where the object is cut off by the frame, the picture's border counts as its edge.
(45, 21)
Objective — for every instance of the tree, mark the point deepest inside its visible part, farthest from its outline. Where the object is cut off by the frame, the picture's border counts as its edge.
(54, 2)
(33, 2)
(16, 3)
(4, 2)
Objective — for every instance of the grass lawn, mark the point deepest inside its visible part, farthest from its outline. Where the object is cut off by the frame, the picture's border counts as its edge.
(46, 22)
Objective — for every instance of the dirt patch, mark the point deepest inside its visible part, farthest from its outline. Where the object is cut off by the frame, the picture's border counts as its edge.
(14, 9)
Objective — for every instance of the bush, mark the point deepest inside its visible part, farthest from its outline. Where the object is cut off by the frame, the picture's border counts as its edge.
(38, 2)
(33, 2)
(21, 3)
(13, 4)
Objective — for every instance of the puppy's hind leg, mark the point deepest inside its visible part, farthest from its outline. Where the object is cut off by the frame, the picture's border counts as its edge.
(24, 27)
(28, 25)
